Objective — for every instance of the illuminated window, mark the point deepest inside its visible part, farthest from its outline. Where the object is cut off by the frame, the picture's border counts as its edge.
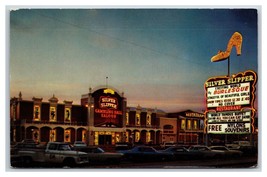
(96, 138)
(67, 136)
(148, 119)
(127, 136)
(53, 114)
(52, 135)
(183, 124)
(195, 124)
(127, 118)
(189, 126)
(137, 119)
(84, 135)
(35, 135)
(148, 137)
(67, 114)
(36, 113)
(137, 136)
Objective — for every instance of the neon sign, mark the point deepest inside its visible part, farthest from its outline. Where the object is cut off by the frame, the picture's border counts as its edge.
(229, 128)
(230, 116)
(230, 103)
(231, 93)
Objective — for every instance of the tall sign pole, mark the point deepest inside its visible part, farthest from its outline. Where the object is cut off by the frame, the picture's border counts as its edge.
(230, 99)
(235, 40)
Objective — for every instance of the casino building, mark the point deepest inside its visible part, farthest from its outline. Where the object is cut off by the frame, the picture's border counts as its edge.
(102, 118)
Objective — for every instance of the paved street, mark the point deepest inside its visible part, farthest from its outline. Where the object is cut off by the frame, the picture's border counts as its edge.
(242, 162)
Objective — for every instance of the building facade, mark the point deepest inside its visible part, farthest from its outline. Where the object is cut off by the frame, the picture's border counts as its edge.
(47, 121)
(190, 127)
(102, 118)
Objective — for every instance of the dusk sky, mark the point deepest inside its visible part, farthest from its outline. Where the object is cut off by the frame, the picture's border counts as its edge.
(160, 58)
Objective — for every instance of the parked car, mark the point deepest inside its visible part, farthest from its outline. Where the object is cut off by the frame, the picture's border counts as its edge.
(202, 152)
(146, 153)
(55, 153)
(227, 152)
(79, 144)
(165, 145)
(243, 146)
(178, 152)
(23, 145)
(97, 155)
(122, 146)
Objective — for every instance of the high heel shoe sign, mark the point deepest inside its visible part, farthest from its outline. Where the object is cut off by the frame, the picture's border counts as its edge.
(235, 40)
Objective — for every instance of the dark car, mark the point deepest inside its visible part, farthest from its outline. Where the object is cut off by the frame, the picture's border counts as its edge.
(204, 152)
(146, 153)
(122, 146)
(97, 155)
(228, 153)
(178, 152)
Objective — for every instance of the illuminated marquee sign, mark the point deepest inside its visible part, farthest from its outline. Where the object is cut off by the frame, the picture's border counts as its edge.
(230, 103)
(107, 107)
(231, 93)
(229, 128)
(228, 95)
(232, 116)
(194, 114)
(108, 102)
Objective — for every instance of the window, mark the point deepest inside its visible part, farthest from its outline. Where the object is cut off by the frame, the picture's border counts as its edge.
(167, 127)
(137, 119)
(189, 126)
(36, 113)
(148, 137)
(183, 124)
(53, 116)
(137, 136)
(195, 125)
(67, 136)
(148, 119)
(67, 114)
(201, 125)
(52, 135)
(127, 119)
(64, 147)
(52, 147)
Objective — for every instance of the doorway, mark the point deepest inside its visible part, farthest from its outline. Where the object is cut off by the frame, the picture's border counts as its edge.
(104, 139)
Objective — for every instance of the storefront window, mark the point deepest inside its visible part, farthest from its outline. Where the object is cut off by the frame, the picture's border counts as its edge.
(96, 138)
(52, 135)
(148, 137)
(137, 136)
(67, 136)
(84, 135)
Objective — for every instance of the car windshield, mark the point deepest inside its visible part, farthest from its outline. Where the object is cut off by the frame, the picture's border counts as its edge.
(64, 147)
(219, 148)
(99, 150)
(200, 148)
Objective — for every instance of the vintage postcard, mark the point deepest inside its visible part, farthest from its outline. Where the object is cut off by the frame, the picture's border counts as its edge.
(133, 88)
